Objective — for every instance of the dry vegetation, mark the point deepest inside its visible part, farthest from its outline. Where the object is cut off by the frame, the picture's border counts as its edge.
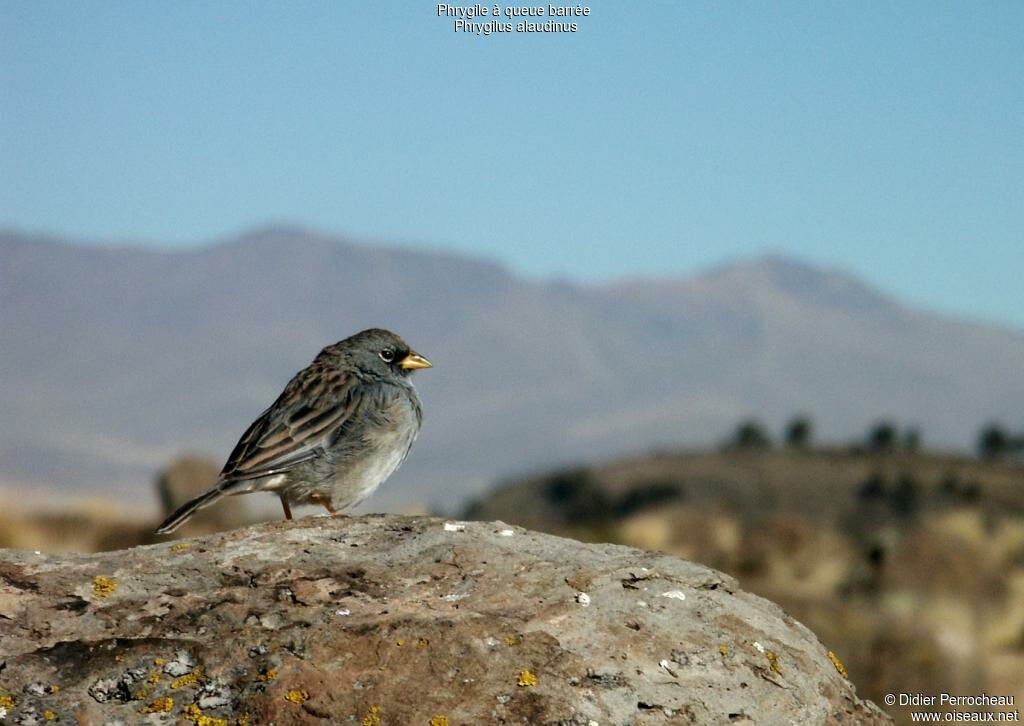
(99, 525)
(910, 566)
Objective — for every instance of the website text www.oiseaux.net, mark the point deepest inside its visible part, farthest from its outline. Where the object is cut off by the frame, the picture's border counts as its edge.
(946, 701)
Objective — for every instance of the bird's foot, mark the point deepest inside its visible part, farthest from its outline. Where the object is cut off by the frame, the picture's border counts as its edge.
(322, 500)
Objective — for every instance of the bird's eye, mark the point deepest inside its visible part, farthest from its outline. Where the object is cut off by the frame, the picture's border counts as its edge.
(387, 355)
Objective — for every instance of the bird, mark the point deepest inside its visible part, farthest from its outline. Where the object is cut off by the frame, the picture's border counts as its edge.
(340, 428)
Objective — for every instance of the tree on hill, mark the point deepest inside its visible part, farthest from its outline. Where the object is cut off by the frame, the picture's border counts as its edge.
(750, 434)
(905, 499)
(882, 436)
(799, 431)
(993, 441)
(578, 497)
(873, 487)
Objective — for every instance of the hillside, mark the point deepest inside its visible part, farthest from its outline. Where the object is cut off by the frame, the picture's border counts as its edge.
(117, 358)
(831, 486)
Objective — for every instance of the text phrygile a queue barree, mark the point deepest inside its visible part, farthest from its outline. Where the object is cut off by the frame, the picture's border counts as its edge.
(465, 14)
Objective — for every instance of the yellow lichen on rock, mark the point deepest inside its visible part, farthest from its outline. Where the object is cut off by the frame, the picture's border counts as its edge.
(838, 664)
(773, 660)
(439, 720)
(373, 717)
(49, 715)
(189, 679)
(723, 649)
(6, 702)
(193, 713)
(267, 675)
(205, 720)
(103, 586)
(181, 546)
(297, 695)
(526, 678)
(160, 705)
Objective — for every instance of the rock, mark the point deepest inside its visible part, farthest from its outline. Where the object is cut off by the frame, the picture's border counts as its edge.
(402, 620)
(188, 477)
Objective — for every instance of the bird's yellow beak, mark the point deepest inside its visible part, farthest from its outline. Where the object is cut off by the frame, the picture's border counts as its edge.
(413, 361)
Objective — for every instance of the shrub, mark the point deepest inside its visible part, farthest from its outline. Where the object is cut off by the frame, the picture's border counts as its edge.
(799, 432)
(750, 434)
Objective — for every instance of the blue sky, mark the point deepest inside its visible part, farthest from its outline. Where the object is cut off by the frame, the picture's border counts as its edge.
(659, 139)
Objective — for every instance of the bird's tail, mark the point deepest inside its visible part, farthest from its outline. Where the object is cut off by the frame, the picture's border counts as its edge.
(190, 507)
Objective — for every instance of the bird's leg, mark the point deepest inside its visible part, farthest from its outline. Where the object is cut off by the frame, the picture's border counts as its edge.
(325, 502)
(287, 509)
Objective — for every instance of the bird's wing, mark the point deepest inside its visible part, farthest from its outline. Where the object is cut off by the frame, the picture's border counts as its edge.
(313, 408)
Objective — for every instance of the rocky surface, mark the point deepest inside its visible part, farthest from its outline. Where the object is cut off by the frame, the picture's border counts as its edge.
(401, 620)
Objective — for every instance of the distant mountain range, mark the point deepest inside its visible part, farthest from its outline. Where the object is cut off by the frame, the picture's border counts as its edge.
(114, 359)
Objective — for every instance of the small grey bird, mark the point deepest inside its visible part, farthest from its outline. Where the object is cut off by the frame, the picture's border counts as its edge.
(341, 427)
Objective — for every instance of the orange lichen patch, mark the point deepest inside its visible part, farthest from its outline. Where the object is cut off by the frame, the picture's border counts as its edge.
(267, 675)
(189, 679)
(6, 702)
(297, 695)
(49, 715)
(160, 705)
(103, 586)
(773, 660)
(373, 717)
(181, 546)
(439, 720)
(723, 649)
(511, 640)
(526, 678)
(141, 695)
(153, 678)
(838, 664)
(193, 713)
